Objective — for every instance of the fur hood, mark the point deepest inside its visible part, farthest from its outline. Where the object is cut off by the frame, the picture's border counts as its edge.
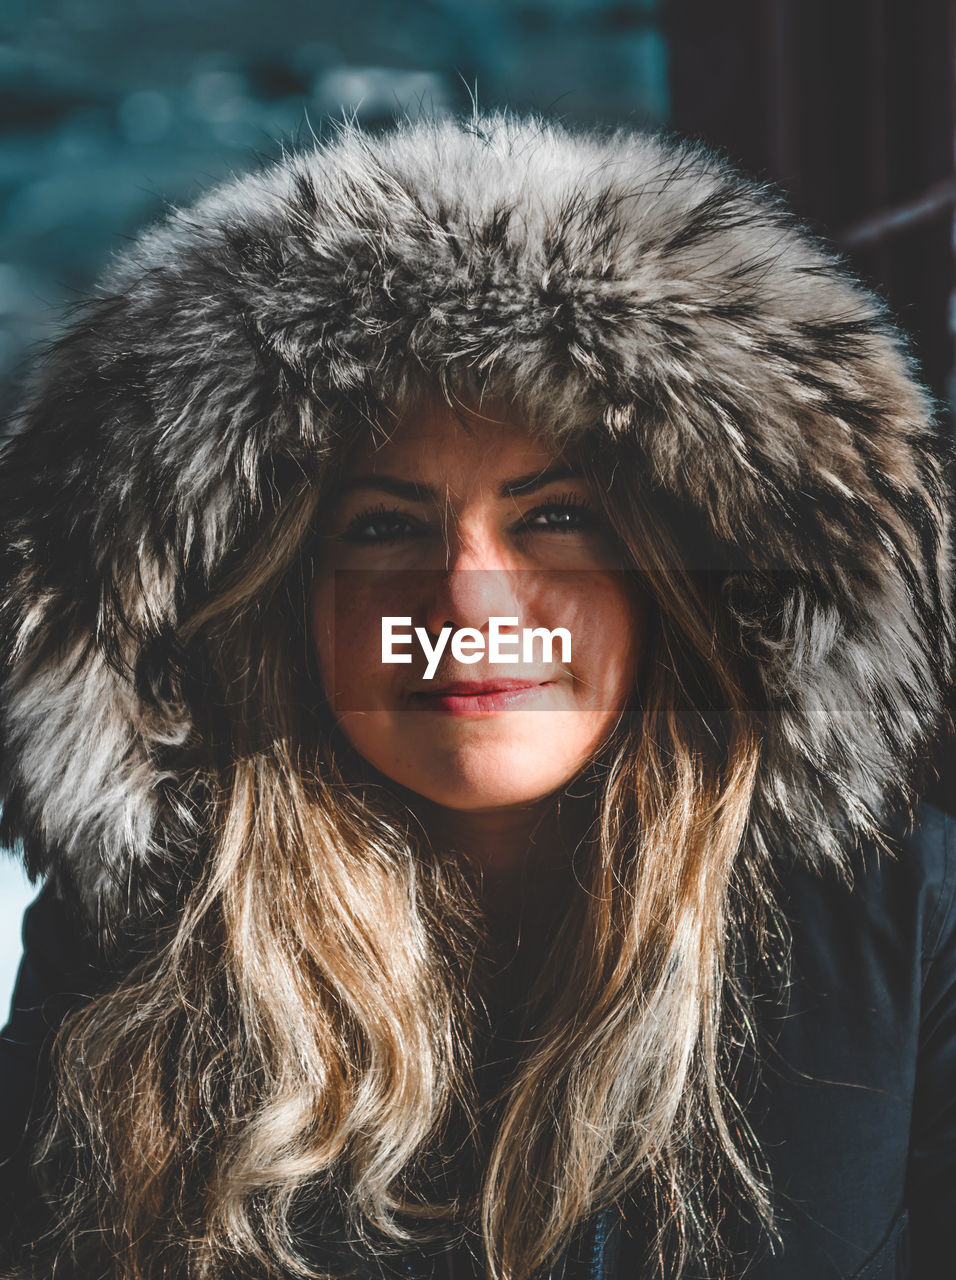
(627, 285)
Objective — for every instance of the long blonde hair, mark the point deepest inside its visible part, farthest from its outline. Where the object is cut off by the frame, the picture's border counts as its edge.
(300, 1033)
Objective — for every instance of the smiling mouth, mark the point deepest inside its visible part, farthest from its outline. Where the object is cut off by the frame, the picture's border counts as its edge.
(479, 697)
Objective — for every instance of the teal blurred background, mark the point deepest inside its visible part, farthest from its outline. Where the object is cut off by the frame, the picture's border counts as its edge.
(111, 110)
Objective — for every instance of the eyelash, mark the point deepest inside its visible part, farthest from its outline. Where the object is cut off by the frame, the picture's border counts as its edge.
(565, 502)
(587, 517)
(354, 530)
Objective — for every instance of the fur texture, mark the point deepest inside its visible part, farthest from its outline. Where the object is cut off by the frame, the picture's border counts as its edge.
(630, 286)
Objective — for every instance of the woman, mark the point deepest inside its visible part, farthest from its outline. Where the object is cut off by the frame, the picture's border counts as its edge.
(628, 958)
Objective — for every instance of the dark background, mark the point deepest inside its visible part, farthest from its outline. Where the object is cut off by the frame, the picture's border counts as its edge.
(112, 109)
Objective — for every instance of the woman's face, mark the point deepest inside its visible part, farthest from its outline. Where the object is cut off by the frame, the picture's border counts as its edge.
(458, 524)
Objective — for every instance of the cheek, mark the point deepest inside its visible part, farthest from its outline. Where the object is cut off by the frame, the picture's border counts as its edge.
(607, 620)
(345, 619)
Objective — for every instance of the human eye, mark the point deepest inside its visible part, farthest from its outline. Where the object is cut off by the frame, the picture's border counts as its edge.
(381, 525)
(564, 513)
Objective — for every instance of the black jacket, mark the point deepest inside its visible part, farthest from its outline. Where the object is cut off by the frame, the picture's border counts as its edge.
(856, 1102)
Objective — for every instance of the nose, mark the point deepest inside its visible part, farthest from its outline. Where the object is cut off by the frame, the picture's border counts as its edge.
(481, 581)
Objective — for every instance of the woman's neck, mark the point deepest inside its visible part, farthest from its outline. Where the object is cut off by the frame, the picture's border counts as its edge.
(523, 856)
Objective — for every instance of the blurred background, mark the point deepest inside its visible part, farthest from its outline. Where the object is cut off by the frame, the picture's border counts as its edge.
(111, 110)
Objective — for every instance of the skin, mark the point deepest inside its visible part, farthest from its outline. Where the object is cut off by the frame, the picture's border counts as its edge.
(454, 519)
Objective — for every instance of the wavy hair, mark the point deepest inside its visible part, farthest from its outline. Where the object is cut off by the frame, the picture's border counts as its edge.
(294, 1048)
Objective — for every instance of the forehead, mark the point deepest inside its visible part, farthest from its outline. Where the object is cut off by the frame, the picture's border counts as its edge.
(438, 445)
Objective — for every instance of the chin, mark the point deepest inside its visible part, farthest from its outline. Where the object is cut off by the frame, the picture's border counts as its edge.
(481, 764)
(491, 780)
(466, 799)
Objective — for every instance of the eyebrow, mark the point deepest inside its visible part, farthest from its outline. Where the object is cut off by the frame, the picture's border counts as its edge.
(411, 491)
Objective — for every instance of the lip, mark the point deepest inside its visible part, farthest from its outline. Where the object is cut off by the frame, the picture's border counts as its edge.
(479, 697)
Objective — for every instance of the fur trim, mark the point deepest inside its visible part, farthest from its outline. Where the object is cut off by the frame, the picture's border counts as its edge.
(628, 284)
